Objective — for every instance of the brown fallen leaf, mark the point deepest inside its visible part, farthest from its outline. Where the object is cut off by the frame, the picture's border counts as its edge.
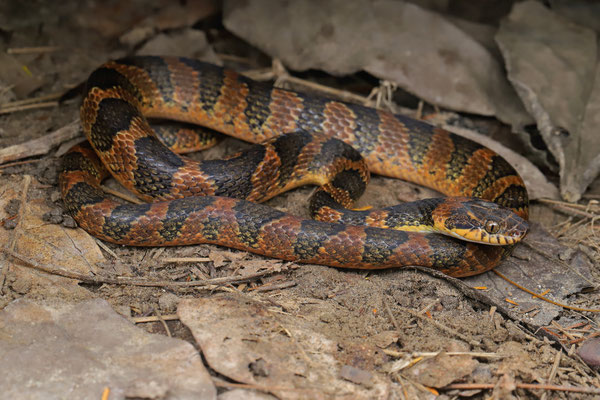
(72, 249)
(278, 353)
(552, 63)
(420, 50)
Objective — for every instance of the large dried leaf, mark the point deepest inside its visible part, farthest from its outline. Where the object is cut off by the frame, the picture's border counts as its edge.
(420, 50)
(552, 63)
(247, 342)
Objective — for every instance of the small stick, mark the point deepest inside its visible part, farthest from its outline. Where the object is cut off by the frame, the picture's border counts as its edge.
(342, 94)
(131, 281)
(8, 110)
(269, 287)
(532, 386)
(154, 318)
(106, 249)
(583, 207)
(185, 259)
(392, 318)
(234, 58)
(163, 322)
(40, 145)
(5, 89)
(569, 208)
(271, 73)
(32, 100)
(446, 353)
(429, 306)
(14, 164)
(32, 50)
(563, 330)
(553, 371)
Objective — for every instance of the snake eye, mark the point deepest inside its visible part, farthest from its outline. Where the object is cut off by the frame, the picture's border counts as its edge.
(492, 227)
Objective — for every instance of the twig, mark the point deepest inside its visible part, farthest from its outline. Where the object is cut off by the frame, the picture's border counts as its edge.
(131, 281)
(476, 354)
(31, 100)
(555, 366)
(6, 89)
(531, 386)
(278, 72)
(342, 94)
(185, 259)
(8, 110)
(569, 208)
(563, 330)
(14, 164)
(391, 315)
(32, 50)
(429, 306)
(583, 207)
(40, 145)
(163, 322)
(553, 371)
(276, 286)
(109, 251)
(154, 318)
(298, 346)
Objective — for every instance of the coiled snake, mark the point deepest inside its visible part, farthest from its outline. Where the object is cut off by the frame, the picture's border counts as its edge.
(188, 206)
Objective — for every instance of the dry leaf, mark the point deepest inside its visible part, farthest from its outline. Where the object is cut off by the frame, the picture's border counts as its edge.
(397, 41)
(246, 342)
(552, 63)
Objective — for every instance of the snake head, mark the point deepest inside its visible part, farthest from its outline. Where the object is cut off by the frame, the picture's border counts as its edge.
(479, 221)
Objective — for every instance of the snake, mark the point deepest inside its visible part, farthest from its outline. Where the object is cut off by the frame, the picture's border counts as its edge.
(299, 138)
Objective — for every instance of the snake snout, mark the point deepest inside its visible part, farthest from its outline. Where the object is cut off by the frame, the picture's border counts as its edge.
(503, 227)
(516, 230)
(482, 221)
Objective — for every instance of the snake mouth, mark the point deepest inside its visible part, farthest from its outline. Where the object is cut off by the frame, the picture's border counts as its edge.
(482, 237)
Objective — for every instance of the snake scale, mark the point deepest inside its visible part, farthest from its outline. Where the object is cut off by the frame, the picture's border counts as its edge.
(217, 202)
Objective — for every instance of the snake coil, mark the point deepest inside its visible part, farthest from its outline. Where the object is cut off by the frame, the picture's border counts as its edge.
(187, 204)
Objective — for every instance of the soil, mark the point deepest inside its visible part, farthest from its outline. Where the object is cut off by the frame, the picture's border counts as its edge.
(356, 309)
